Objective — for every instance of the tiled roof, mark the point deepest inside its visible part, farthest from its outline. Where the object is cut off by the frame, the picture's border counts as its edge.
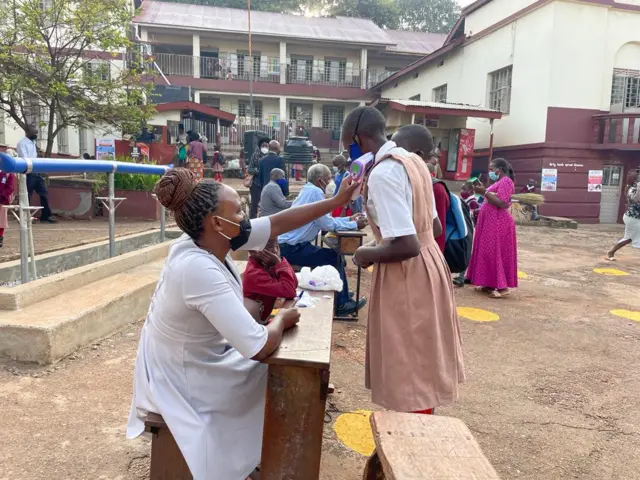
(419, 43)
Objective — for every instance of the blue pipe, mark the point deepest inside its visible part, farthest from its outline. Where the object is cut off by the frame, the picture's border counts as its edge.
(11, 164)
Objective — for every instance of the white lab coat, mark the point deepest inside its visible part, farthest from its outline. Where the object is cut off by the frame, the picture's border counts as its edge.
(193, 365)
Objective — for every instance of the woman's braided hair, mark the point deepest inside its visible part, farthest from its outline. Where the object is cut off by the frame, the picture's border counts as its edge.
(189, 200)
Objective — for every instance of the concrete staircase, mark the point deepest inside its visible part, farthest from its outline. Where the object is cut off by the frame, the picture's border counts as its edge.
(48, 319)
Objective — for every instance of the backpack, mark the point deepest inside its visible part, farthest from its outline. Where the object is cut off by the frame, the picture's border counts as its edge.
(459, 233)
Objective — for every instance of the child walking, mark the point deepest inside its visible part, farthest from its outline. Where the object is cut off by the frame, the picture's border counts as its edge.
(7, 190)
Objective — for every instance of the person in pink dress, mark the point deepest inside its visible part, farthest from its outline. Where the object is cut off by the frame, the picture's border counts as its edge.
(494, 260)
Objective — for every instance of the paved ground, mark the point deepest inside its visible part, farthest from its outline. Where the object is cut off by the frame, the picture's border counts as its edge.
(551, 393)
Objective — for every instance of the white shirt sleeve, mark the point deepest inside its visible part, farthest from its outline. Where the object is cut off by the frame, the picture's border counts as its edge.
(388, 189)
(260, 233)
(207, 290)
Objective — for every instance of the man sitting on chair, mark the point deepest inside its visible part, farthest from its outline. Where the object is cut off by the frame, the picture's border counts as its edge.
(297, 247)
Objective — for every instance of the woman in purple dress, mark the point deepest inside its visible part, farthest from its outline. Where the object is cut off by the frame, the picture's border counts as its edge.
(494, 261)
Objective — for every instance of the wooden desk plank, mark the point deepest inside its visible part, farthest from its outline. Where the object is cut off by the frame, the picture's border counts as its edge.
(309, 344)
(412, 447)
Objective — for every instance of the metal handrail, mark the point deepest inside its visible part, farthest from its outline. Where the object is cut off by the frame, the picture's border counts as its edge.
(23, 166)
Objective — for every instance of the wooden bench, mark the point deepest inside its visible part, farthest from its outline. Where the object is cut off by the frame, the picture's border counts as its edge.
(297, 388)
(411, 446)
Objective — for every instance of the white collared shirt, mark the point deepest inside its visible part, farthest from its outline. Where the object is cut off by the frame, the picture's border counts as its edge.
(390, 198)
(27, 148)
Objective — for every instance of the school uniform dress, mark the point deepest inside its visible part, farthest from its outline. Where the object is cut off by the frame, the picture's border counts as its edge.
(194, 362)
(414, 355)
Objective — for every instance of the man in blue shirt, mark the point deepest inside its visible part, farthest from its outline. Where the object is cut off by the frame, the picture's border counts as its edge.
(297, 247)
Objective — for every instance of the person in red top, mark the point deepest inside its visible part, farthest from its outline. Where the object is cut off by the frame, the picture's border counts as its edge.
(417, 139)
(268, 277)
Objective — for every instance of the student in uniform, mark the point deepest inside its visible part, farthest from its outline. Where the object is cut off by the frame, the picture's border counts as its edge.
(414, 355)
(199, 351)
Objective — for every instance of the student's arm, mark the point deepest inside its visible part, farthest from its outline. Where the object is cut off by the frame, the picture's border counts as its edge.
(501, 198)
(296, 217)
(389, 251)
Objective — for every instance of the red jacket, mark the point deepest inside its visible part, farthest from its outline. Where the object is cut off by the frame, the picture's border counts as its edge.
(266, 286)
(442, 206)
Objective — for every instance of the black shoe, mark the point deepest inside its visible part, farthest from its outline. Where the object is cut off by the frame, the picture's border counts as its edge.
(351, 307)
(458, 282)
(1, 241)
(48, 220)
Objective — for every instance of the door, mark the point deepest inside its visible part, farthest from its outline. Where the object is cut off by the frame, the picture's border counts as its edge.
(611, 190)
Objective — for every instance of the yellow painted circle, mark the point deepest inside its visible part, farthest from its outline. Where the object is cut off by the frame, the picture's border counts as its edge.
(522, 275)
(477, 314)
(354, 430)
(613, 272)
(628, 314)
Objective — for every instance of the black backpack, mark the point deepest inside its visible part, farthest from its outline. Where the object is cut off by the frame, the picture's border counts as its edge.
(459, 233)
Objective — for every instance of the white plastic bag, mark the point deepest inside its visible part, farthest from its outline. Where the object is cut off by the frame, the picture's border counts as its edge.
(324, 278)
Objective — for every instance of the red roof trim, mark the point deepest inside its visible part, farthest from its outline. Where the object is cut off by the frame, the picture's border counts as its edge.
(196, 107)
(454, 112)
(420, 63)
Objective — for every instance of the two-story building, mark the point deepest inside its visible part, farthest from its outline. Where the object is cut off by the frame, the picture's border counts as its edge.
(306, 73)
(566, 76)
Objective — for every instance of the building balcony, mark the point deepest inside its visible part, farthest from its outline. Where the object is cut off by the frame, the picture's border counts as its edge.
(230, 72)
(619, 131)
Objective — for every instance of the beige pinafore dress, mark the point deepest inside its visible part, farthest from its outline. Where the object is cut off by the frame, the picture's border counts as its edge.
(414, 354)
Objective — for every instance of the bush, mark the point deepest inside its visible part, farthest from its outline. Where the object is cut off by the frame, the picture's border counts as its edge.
(129, 181)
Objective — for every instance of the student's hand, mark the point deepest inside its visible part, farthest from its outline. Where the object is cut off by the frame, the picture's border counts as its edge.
(358, 260)
(347, 187)
(290, 317)
(362, 222)
(354, 218)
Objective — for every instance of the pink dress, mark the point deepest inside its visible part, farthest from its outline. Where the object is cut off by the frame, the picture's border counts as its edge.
(494, 260)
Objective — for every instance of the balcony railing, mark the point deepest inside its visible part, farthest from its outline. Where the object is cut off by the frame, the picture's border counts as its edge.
(619, 129)
(230, 66)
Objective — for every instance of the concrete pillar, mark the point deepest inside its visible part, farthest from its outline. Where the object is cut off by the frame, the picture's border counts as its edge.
(283, 67)
(283, 109)
(144, 34)
(196, 96)
(196, 55)
(363, 68)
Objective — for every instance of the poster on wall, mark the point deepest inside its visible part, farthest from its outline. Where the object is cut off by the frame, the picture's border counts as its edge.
(595, 180)
(549, 180)
(105, 149)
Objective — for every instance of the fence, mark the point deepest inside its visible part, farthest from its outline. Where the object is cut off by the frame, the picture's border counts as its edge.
(23, 166)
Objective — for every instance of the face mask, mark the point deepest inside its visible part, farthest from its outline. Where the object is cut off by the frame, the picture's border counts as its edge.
(33, 138)
(494, 176)
(354, 150)
(283, 184)
(264, 150)
(242, 237)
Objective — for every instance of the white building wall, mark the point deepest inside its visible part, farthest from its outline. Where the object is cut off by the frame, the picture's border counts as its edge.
(492, 13)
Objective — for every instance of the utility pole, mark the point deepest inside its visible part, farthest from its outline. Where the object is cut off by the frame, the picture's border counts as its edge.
(250, 63)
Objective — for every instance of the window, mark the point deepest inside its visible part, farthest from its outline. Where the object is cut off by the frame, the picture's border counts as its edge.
(101, 70)
(415, 98)
(440, 94)
(82, 141)
(302, 69)
(301, 113)
(209, 101)
(500, 89)
(63, 137)
(625, 88)
(243, 64)
(335, 70)
(2, 137)
(31, 110)
(244, 109)
(332, 117)
(632, 92)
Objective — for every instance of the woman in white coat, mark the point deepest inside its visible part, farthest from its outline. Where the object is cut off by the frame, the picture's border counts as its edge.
(199, 352)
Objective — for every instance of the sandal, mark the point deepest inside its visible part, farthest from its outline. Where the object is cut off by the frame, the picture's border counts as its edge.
(496, 294)
(483, 289)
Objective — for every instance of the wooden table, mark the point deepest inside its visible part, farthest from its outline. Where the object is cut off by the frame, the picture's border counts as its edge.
(346, 243)
(296, 396)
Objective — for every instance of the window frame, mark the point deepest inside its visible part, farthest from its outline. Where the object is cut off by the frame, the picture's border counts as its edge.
(500, 89)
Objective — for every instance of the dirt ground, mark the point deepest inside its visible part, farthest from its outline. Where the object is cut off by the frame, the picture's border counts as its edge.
(551, 389)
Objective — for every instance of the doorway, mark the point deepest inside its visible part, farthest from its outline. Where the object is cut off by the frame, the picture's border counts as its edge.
(611, 190)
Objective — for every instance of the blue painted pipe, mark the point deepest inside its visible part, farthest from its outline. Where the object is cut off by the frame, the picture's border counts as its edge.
(11, 164)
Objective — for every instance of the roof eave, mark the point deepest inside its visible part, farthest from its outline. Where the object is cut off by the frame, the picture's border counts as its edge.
(454, 112)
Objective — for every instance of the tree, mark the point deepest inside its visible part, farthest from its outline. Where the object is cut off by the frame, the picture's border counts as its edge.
(61, 65)
(435, 16)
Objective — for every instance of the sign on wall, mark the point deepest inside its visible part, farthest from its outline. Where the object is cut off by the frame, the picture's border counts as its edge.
(595, 180)
(549, 180)
(105, 149)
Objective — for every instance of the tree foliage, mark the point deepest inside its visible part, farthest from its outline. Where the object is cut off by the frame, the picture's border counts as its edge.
(436, 16)
(64, 59)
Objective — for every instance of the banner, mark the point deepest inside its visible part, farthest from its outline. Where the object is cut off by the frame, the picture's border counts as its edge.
(105, 149)
(549, 180)
(595, 180)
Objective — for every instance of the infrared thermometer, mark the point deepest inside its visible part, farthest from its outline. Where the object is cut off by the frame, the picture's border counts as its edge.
(358, 169)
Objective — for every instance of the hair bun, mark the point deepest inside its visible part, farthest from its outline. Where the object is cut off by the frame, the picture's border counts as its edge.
(175, 187)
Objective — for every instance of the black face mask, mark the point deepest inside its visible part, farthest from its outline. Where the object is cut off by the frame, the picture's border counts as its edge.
(33, 138)
(243, 237)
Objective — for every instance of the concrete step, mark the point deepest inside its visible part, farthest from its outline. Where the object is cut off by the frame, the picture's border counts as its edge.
(21, 296)
(49, 330)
